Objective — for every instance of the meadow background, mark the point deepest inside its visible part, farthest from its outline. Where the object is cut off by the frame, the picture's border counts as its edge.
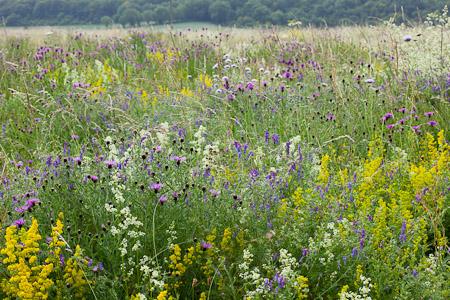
(200, 162)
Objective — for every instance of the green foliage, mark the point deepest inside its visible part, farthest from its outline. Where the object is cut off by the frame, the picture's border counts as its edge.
(248, 12)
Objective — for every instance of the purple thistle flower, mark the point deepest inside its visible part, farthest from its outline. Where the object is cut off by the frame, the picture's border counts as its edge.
(110, 163)
(287, 75)
(205, 246)
(387, 116)
(162, 199)
(429, 114)
(416, 129)
(250, 86)
(432, 123)
(331, 117)
(156, 186)
(407, 38)
(402, 110)
(19, 223)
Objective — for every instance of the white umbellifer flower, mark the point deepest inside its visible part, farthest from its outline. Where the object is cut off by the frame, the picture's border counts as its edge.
(136, 246)
(110, 208)
(114, 230)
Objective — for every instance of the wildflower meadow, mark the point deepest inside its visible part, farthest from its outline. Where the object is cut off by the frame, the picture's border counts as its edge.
(281, 163)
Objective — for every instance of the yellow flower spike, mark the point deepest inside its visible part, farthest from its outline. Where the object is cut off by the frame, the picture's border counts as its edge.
(301, 286)
(324, 173)
(162, 295)
(186, 92)
(226, 240)
(205, 80)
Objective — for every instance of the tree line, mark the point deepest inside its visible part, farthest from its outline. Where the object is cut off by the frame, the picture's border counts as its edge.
(225, 12)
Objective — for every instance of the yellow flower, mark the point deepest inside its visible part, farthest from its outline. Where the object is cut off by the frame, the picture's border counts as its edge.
(324, 174)
(226, 239)
(301, 285)
(205, 80)
(162, 295)
(186, 92)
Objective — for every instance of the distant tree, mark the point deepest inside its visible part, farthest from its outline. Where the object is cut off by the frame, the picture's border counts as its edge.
(278, 17)
(162, 14)
(14, 20)
(106, 21)
(149, 16)
(220, 11)
(130, 16)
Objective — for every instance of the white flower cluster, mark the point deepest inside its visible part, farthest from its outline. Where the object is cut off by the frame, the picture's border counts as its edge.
(199, 138)
(127, 226)
(210, 155)
(152, 272)
(172, 235)
(363, 291)
(288, 265)
(324, 242)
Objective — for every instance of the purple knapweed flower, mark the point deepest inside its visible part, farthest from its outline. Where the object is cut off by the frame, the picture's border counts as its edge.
(162, 199)
(428, 114)
(432, 123)
(387, 116)
(156, 186)
(407, 38)
(206, 246)
(110, 163)
(19, 223)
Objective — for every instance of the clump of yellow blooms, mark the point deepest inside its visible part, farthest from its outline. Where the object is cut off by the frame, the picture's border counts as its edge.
(162, 295)
(176, 265)
(324, 173)
(203, 296)
(56, 243)
(226, 240)
(73, 274)
(26, 278)
(381, 231)
(186, 92)
(205, 80)
(301, 287)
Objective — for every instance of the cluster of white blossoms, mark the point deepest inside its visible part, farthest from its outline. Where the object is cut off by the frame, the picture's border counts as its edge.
(126, 226)
(363, 291)
(151, 273)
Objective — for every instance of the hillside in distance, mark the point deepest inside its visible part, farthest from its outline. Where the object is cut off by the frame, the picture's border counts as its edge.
(225, 12)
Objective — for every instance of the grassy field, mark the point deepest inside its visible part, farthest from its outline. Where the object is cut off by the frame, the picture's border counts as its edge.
(185, 163)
